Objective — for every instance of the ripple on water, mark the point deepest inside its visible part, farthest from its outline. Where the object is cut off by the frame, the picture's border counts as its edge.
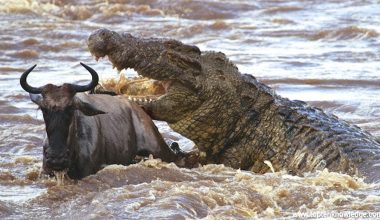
(345, 33)
(17, 193)
(282, 9)
(18, 119)
(10, 70)
(30, 41)
(25, 54)
(5, 209)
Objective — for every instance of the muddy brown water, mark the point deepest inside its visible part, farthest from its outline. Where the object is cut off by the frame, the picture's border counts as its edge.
(322, 52)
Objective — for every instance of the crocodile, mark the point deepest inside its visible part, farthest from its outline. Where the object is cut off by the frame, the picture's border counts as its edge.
(234, 119)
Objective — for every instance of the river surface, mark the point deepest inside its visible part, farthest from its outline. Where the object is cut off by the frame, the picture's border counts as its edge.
(323, 52)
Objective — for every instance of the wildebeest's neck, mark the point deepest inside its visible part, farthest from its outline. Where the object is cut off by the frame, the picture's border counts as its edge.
(76, 132)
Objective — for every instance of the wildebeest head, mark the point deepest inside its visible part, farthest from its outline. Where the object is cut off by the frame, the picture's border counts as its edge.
(58, 104)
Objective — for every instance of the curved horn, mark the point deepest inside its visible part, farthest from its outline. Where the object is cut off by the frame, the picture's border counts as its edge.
(26, 86)
(92, 84)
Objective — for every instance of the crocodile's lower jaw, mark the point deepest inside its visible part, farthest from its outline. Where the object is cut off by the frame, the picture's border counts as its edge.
(143, 100)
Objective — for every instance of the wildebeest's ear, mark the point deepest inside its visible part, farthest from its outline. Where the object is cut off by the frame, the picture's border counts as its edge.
(36, 98)
(87, 108)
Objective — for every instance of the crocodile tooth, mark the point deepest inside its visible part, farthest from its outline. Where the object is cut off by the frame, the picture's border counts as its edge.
(129, 98)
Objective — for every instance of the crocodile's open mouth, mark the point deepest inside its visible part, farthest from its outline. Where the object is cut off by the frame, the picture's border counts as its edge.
(140, 90)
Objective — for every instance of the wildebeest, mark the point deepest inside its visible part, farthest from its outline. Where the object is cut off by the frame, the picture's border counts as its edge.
(87, 131)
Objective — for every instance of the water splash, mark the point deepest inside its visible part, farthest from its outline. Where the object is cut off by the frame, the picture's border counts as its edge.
(60, 177)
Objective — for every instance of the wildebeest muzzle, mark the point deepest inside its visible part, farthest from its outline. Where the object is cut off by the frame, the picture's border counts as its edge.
(56, 160)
